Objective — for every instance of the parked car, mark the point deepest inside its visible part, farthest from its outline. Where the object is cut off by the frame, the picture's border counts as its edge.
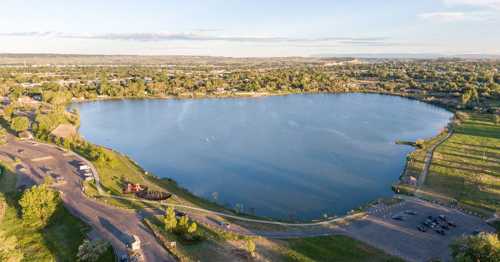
(398, 217)
(451, 224)
(421, 228)
(179, 214)
(411, 212)
(440, 231)
(224, 224)
(445, 227)
(442, 217)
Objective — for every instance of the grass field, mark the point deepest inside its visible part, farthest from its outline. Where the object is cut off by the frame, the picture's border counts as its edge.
(333, 248)
(466, 167)
(58, 241)
(120, 170)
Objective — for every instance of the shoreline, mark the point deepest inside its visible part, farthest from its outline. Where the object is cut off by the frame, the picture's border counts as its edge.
(252, 95)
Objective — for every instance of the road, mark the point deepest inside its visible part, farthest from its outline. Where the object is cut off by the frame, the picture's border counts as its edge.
(113, 224)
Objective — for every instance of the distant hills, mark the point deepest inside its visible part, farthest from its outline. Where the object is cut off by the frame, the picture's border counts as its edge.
(76, 59)
(411, 56)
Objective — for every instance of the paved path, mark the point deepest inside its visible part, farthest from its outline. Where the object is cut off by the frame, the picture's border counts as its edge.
(113, 224)
(428, 159)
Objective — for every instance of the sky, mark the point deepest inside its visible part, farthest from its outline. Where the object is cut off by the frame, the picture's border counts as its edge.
(252, 28)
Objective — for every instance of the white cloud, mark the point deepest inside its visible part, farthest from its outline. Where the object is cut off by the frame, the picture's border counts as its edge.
(456, 16)
(196, 36)
(495, 4)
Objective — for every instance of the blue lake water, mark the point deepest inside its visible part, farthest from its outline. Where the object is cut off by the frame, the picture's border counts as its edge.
(297, 156)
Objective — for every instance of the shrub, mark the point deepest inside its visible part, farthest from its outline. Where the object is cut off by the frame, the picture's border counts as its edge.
(20, 123)
(91, 251)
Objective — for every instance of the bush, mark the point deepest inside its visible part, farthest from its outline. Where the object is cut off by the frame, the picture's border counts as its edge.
(20, 123)
(91, 251)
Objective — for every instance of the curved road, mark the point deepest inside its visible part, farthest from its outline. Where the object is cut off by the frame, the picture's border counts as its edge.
(113, 224)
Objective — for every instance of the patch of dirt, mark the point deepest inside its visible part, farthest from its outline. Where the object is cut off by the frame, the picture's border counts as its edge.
(64, 131)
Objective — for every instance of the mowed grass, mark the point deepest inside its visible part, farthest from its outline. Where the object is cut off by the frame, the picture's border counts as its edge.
(120, 170)
(333, 248)
(467, 166)
(59, 241)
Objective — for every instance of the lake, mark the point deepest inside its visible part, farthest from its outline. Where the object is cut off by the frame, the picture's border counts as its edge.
(288, 157)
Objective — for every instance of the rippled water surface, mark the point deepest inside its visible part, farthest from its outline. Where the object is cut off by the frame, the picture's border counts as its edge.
(299, 156)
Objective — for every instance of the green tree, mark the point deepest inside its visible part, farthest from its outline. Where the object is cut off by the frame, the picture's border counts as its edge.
(250, 246)
(192, 228)
(170, 220)
(38, 205)
(9, 248)
(91, 251)
(183, 224)
(20, 123)
(484, 247)
(7, 112)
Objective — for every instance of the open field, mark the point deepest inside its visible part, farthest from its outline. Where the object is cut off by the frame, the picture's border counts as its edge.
(466, 167)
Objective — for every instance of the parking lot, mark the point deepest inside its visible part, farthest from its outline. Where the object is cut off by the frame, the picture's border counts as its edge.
(394, 229)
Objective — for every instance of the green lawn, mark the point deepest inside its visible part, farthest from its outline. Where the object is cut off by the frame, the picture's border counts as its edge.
(467, 166)
(58, 241)
(333, 248)
(120, 169)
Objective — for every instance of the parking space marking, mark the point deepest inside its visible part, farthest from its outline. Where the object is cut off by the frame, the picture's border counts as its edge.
(39, 159)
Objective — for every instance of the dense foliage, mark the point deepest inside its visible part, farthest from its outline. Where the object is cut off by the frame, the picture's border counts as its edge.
(483, 247)
(459, 83)
(38, 205)
(91, 251)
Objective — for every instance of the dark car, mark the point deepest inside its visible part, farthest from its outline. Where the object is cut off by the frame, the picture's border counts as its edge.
(442, 217)
(445, 227)
(421, 228)
(440, 231)
(400, 218)
(451, 224)
(179, 214)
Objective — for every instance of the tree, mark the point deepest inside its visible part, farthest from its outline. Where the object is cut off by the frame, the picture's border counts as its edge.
(90, 251)
(20, 123)
(484, 247)
(250, 246)
(9, 249)
(183, 224)
(38, 205)
(7, 112)
(170, 219)
(192, 228)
